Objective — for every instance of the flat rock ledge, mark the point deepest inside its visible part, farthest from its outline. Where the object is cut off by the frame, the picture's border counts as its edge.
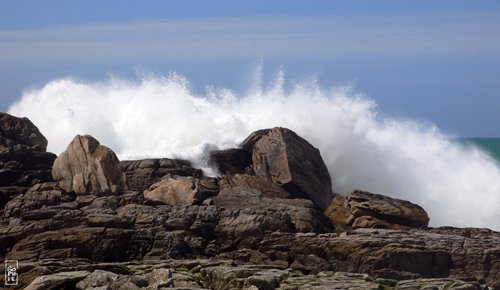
(209, 274)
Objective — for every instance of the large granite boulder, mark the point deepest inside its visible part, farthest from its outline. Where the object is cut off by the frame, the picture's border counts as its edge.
(284, 158)
(362, 209)
(86, 167)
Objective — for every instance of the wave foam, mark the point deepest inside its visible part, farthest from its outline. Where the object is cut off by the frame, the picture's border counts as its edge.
(159, 116)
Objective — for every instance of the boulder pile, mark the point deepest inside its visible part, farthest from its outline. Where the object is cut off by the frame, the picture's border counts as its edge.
(86, 220)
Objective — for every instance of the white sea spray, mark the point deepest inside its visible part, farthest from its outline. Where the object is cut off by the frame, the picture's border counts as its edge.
(159, 116)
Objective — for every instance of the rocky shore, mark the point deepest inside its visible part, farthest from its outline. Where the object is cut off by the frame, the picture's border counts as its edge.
(86, 220)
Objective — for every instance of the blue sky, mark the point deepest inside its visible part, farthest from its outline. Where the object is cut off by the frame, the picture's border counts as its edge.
(437, 61)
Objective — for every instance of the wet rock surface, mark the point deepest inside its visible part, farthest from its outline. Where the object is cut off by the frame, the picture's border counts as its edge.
(242, 230)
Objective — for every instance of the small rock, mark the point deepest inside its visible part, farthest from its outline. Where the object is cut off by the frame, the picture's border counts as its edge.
(57, 280)
(438, 284)
(159, 275)
(176, 190)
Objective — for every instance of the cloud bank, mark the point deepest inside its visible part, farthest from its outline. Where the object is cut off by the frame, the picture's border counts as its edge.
(232, 38)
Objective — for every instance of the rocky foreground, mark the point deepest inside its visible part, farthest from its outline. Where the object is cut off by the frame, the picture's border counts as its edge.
(85, 220)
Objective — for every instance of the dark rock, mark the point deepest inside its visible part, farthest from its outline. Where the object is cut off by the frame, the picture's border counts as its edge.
(234, 160)
(107, 221)
(96, 243)
(24, 163)
(142, 174)
(23, 160)
(48, 193)
(8, 193)
(184, 232)
(85, 200)
(26, 170)
(103, 204)
(249, 143)
(32, 204)
(20, 132)
(40, 214)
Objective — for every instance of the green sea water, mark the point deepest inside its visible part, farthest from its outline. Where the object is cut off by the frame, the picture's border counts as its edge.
(489, 145)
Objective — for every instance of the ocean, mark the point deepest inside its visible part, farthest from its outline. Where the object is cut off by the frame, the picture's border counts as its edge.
(489, 145)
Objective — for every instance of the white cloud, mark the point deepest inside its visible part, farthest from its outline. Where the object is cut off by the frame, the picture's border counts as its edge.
(231, 38)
